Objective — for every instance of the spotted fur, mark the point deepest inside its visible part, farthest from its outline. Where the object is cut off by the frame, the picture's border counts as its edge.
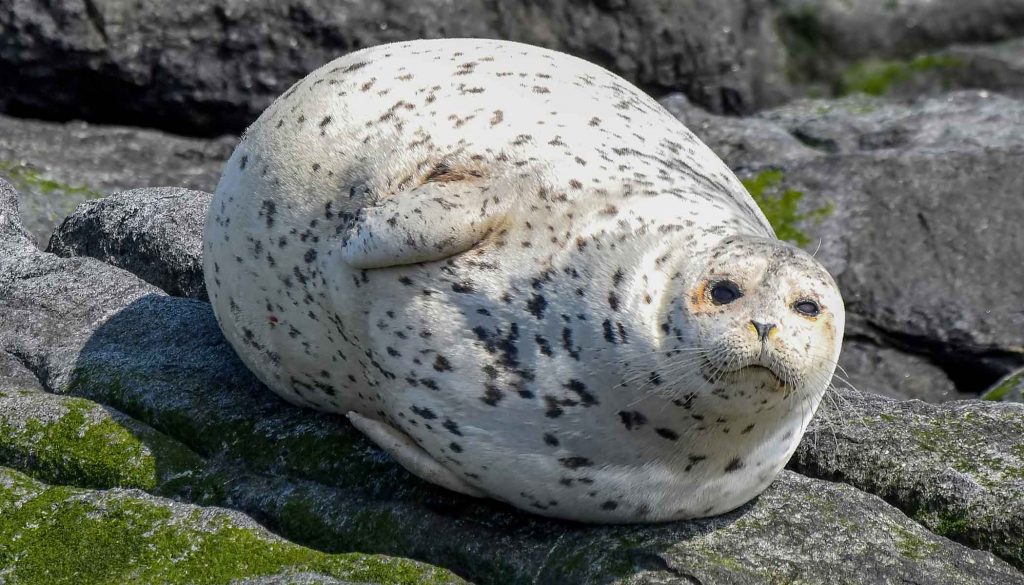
(502, 253)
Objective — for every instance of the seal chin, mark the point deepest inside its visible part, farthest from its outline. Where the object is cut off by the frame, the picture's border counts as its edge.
(761, 375)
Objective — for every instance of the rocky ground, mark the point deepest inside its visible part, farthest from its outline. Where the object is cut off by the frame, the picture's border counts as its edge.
(135, 447)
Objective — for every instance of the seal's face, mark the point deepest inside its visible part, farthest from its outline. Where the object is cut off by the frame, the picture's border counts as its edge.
(769, 321)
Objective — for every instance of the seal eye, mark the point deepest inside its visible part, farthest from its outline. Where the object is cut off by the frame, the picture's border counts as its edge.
(725, 292)
(809, 308)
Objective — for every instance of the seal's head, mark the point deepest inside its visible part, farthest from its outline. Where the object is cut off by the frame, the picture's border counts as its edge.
(768, 321)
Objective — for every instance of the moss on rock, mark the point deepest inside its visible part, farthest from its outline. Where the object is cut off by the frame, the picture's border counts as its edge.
(781, 205)
(1009, 389)
(878, 76)
(73, 441)
(57, 535)
(25, 177)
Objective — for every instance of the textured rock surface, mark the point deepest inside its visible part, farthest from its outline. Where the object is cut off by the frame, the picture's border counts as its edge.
(958, 468)
(52, 534)
(211, 66)
(87, 329)
(156, 234)
(57, 166)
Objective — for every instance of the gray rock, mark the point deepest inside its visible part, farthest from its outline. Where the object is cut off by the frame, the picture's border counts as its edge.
(58, 166)
(60, 534)
(868, 367)
(827, 38)
(95, 331)
(211, 66)
(156, 234)
(898, 28)
(958, 468)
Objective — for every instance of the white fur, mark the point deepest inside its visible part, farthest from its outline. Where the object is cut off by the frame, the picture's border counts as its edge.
(447, 156)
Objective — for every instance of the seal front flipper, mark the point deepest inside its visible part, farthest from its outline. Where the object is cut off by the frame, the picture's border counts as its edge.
(410, 455)
(430, 222)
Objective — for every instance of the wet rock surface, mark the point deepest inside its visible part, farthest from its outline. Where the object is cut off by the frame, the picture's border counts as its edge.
(121, 358)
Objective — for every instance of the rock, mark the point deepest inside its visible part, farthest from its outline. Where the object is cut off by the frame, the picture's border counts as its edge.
(96, 332)
(156, 234)
(958, 468)
(57, 166)
(1009, 389)
(868, 367)
(212, 66)
(833, 42)
(73, 441)
(70, 535)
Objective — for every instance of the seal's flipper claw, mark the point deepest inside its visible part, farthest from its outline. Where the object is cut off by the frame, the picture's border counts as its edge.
(430, 222)
(410, 455)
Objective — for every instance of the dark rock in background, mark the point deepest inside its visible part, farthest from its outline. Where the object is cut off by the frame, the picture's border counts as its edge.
(825, 38)
(212, 66)
(156, 234)
(58, 166)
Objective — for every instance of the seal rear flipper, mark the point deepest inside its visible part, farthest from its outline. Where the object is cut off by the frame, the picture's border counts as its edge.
(431, 222)
(410, 455)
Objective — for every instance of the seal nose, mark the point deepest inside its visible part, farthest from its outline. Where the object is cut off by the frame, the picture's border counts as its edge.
(762, 329)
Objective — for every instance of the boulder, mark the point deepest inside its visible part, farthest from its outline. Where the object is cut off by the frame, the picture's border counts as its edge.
(58, 166)
(957, 468)
(156, 234)
(98, 334)
(59, 534)
(212, 66)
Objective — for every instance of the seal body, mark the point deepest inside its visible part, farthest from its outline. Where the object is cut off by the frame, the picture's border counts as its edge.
(497, 260)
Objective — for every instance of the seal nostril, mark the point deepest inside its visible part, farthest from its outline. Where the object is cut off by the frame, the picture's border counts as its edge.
(763, 329)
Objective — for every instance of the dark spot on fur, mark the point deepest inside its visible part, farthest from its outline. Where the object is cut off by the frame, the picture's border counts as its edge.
(668, 434)
(734, 465)
(441, 364)
(632, 419)
(425, 413)
(575, 462)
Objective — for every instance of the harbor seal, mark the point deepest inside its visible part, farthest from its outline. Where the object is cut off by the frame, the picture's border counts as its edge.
(522, 278)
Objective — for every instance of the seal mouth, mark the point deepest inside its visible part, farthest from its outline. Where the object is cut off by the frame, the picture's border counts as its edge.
(759, 369)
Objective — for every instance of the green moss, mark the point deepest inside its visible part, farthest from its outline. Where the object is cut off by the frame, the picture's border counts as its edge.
(877, 77)
(57, 535)
(26, 178)
(87, 446)
(781, 206)
(1003, 388)
(337, 458)
(911, 546)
